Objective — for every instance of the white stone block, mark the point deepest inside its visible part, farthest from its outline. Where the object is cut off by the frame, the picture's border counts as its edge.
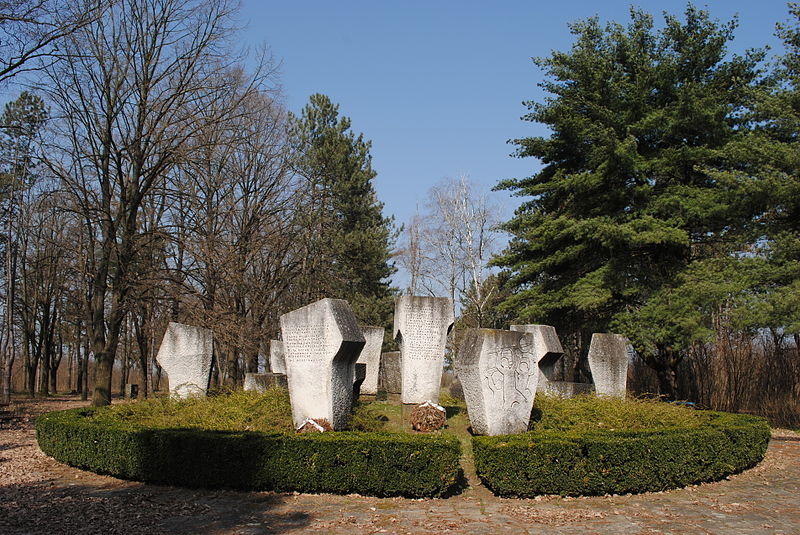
(608, 361)
(277, 360)
(421, 326)
(321, 344)
(185, 354)
(546, 348)
(371, 356)
(499, 375)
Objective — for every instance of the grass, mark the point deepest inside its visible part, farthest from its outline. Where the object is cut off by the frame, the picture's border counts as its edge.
(584, 413)
(271, 412)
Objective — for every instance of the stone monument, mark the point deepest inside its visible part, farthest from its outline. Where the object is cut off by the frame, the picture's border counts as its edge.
(389, 377)
(277, 361)
(185, 354)
(608, 361)
(421, 325)
(547, 350)
(321, 343)
(260, 382)
(371, 356)
(499, 375)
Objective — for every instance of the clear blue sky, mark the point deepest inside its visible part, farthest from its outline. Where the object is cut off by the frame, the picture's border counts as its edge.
(437, 85)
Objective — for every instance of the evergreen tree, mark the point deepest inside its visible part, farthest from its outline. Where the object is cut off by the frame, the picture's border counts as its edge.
(634, 193)
(347, 238)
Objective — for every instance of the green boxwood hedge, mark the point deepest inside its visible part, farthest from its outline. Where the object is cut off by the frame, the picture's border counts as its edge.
(608, 462)
(378, 464)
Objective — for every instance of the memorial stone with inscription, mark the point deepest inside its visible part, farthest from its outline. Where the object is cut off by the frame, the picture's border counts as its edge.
(321, 344)
(421, 325)
(371, 356)
(185, 354)
(499, 374)
(608, 361)
(277, 360)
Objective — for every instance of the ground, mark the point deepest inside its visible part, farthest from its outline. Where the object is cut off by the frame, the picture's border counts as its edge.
(40, 495)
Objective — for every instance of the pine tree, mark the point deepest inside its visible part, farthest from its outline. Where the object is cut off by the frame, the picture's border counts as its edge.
(348, 240)
(633, 192)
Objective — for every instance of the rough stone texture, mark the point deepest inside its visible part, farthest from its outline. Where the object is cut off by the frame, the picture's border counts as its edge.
(390, 376)
(277, 359)
(547, 349)
(421, 325)
(608, 361)
(185, 354)
(260, 382)
(321, 344)
(371, 357)
(498, 372)
(565, 389)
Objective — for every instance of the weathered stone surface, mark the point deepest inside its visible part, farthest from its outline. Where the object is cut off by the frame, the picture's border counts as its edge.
(565, 389)
(321, 344)
(260, 382)
(185, 354)
(421, 325)
(608, 361)
(371, 356)
(499, 375)
(547, 350)
(390, 378)
(277, 360)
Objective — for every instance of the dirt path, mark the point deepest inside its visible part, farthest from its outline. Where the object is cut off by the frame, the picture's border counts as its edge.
(40, 495)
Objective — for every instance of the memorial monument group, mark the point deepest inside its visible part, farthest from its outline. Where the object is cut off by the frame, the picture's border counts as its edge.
(324, 357)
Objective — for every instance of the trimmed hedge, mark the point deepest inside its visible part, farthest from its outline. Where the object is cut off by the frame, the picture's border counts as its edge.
(607, 462)
(378, 464)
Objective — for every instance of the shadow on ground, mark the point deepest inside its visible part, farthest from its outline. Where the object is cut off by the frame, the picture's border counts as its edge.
(52, 508)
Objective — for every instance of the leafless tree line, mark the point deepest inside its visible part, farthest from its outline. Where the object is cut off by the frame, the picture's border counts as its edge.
(166, 192)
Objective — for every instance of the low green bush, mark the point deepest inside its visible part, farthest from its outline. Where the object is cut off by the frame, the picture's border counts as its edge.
(596, 461)
(378, 464)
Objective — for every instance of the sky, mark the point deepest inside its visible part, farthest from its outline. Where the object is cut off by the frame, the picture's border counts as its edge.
(438, 86)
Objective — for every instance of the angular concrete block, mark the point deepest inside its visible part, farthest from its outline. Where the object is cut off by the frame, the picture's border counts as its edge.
(546, 347)
(608, 361)
(277, 360)
(390, 379)
(371, 356)
(185, 354)
(261, 382)
(421, 325)
(321, 344)
(499, 375)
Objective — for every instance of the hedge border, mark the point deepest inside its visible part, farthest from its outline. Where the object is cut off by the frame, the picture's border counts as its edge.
(607, 462)
(376, 464)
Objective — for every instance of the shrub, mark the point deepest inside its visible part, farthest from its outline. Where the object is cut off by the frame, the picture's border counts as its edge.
(379, 464)
(597, 461)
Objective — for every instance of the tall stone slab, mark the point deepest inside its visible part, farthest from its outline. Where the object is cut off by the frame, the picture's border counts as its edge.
(608, 361)
(321, 343)
(547, 350)
(421, 325)
(277, 360)
(499, 374)
(371, 356)
(390, 379)
(185, 354)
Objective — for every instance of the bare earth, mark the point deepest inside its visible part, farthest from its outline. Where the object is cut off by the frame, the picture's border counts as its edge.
(40, 495)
